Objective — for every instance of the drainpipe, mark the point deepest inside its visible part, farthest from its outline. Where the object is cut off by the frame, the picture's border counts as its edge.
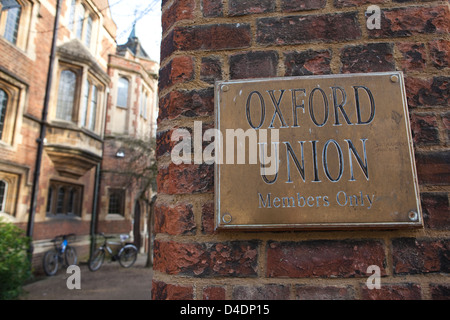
(95, 209)
(40, 140)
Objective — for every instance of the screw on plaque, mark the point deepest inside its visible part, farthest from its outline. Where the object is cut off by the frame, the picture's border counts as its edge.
(225, 88)
(413, 216)
(227, 218)
(394, 78)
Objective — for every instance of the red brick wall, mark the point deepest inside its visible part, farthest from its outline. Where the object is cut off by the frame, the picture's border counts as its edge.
(208, 40)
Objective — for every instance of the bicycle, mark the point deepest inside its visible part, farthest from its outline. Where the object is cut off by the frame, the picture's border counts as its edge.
(127, 254)
(61, 253)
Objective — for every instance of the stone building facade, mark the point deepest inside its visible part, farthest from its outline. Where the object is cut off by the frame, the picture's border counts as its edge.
(83, 105)
(208, 40)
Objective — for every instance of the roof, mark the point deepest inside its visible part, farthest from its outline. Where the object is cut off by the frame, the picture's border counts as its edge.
(134, 45)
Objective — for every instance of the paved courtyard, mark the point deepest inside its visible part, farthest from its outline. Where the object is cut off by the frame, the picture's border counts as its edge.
(111, 282)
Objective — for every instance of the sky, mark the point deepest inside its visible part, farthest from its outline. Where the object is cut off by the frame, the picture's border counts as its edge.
(148, 26)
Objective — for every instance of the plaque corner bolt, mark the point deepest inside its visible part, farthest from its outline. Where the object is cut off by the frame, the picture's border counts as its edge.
(412, 215)
(225, 88)
(227, 218)
(394, 78)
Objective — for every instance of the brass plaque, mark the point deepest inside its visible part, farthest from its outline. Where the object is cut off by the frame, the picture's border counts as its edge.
(315, 152)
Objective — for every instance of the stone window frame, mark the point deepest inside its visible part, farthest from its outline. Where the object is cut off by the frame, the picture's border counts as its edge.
(12, 106)
(80, 10)
(89, 120)
(53, 196)
(12, 182)
(145, 103)
(121, 193)
(23, 31)
(3, 195)
(127, 78)
(79, 113)
(71, 110)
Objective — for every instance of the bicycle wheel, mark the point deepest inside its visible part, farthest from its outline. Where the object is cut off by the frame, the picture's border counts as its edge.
(128, 255)
(96, 260)
(50, 262)
(71, 256)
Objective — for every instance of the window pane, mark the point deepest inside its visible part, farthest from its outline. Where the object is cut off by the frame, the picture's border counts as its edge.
(66, 95)
(12, 24)
(71, 202)
(145, 106)
(84, 106)
(93, 111)
(72, 14)
(49, 200)
(2, 195)
(60, 201)
(80, 21)
(64, 199)
(116, 200)
(87, 39)
(122, 93)
(3, 104)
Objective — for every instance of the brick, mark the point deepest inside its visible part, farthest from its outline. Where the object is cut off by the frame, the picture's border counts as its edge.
(254, 64)
(414, 256)
(208, 218)
(324, 258)
(372, 57)
(165, 291)
(212, 8)
(446, 121)
(404, 291)
(309, 62)
(427, 92)
(214, 293)
(356, 3)
(307, 29)
(414, 56)
(436, 210)
(167, 46)
(164, 143)
(178, 70)
(186, 179)
(230, 259)
(211, 69)
(243, 7)
(433, 167)
(266, 292)
(186, 103)
(212, 37)
(174, 220)
(178, 10)
(407, 21)
(305, 292)
(425, 129)
(302, 5)
(179, 258)
(440, 53)
(440, 291)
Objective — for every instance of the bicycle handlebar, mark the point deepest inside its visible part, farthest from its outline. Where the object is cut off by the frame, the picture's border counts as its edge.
(63, 237)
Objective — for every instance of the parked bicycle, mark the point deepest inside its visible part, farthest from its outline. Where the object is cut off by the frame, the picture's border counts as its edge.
(61, 254)
(127, 254)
